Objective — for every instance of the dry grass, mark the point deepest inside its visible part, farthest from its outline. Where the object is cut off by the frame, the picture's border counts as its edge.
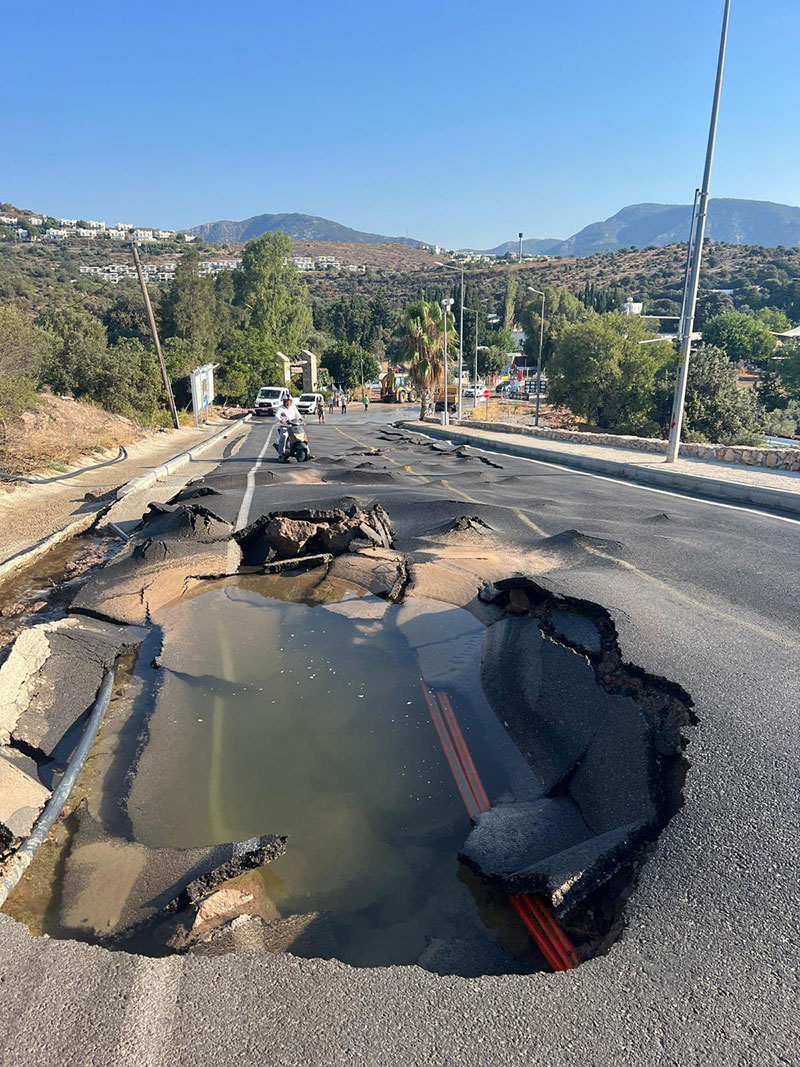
(58, 432)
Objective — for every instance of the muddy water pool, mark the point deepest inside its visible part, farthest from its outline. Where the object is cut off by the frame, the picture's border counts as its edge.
(308, 719)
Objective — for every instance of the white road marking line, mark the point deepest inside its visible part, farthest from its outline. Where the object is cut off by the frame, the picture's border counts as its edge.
(623, 482)
(148, 1020)
(247, 499)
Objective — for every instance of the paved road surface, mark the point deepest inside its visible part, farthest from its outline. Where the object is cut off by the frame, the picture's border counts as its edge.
(704, 594)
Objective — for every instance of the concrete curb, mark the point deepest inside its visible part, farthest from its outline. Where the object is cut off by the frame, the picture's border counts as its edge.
(146, 480)
(730, 492)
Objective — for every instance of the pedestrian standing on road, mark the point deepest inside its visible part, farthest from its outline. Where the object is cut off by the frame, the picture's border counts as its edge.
(331, 402)
(320, 410)
(366, 403)
(344, 404)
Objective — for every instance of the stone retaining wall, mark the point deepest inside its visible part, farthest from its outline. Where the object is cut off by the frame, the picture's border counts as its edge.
(787, 459)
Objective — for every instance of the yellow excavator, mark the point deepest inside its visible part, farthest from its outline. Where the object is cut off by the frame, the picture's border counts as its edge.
(396, 389)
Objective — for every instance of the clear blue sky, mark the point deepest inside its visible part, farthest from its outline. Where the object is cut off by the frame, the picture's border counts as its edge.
(459, 123)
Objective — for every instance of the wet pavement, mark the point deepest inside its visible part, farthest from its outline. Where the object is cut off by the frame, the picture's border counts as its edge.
(699, 594)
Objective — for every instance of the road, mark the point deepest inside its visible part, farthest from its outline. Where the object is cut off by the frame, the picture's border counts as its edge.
(703, 594)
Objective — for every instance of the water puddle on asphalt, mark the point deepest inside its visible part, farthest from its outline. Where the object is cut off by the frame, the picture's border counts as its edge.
(308, 719)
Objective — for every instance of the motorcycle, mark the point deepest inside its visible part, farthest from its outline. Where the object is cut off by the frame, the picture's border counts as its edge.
(296, 445)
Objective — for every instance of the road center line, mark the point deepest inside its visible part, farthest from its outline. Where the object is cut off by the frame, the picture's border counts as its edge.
(622, 482)
(247, 499)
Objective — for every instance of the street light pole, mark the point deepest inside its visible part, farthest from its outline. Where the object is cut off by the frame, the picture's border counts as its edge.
(447, 303)
(520, 247)
(539, 360)
(449, 266)
(687, 323)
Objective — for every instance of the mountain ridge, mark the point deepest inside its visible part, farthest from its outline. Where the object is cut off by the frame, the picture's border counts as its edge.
(731, 220)
(297, 226)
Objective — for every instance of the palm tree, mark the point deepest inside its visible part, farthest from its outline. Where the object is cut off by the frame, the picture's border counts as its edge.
(421, 335)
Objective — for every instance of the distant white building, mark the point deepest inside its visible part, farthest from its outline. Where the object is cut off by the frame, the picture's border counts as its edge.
(116, 234)
(125, 226)
(164, 235)
(22, 234)
(303, 262)
(633, 307)
(69, 223)
(326, 263)
(93, 224)
(143, 235)
(190, 237)
(56, 234)
(83, 231)
(34, 220)
(8, 220)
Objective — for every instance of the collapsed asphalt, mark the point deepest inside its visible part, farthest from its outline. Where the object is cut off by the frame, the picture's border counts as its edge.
(702, 595)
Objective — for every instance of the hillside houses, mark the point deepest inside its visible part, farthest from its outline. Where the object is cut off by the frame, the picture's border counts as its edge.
(161, 273)
(306, 263)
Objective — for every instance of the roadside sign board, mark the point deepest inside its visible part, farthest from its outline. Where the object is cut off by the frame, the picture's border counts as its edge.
(485, 394)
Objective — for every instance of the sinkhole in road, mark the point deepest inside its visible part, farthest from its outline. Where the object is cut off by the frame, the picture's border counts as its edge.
(296, 765)
(295, 707)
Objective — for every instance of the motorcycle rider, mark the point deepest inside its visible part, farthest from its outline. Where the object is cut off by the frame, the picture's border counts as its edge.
(286, 413)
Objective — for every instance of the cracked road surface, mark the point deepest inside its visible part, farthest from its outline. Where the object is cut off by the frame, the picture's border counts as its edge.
(703, 595)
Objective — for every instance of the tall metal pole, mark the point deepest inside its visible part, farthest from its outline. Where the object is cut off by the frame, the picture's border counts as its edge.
(676, 422)
(539, 360)
(445, 309)
(461, 346)
(520, 247)
(154, 331)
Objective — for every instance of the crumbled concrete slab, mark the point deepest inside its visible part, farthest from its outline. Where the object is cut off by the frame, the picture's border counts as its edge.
(380, 573)
(511, 837)
(298, 563)
(193, 522)
(616, 782)
(18, 676)
(22, 797)
(66, 661)
(468, 958)
(310, 936)
(147, 575)
(148, 883)
(568, 877)
(548, 695)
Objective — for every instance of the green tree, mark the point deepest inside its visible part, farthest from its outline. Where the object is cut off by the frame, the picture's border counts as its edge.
(126, 317)
(510, 301)
(269, 287)
(561, 309)
(248, 363)
(420, 337)
(717, 409)
(742, 337)
(77, 353)
(600, 370)
(23, 349)
(189, 308)
(346, 362)
(774, 319)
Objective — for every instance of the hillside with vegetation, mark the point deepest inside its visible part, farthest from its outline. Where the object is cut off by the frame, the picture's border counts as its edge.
(80, 336)
(296, 226)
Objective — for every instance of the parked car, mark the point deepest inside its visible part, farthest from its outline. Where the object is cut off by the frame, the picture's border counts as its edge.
(307, 404)
(269, 397)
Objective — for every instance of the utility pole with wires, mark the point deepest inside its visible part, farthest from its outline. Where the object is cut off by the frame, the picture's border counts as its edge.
(694, 261)
(154, 331)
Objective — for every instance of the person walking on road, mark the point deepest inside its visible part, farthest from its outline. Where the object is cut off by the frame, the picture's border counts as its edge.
(320, 411)
(331, 403)
(366, 403)
(344, 404)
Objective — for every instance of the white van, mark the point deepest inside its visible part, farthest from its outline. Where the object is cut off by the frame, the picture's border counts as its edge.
(307, 404)
(269, 398)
